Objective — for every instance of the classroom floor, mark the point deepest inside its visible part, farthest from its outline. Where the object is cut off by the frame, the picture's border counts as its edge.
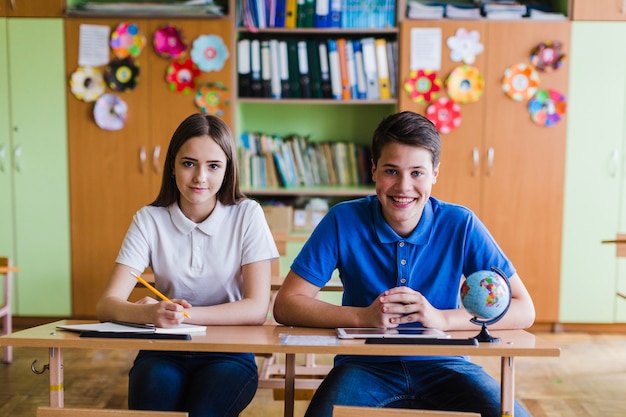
(588, 379)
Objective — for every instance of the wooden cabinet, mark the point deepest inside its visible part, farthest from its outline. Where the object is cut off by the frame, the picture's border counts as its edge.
(34, 202)
(599, 10)
(32, 8)
(498, 162)
(595, 183)
(114, 173)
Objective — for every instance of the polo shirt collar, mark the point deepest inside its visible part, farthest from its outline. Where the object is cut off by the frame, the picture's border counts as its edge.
(208, 226)
(419, 236)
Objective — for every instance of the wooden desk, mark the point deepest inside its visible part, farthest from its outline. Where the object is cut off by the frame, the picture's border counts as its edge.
(267, 339)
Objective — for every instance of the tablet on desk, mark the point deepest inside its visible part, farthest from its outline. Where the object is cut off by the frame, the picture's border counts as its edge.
(390, 333)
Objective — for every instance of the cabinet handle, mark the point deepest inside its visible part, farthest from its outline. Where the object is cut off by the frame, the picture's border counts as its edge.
(155, 159)
(476, 159)
(3, 153)
(142, 159)
(490, 157)
(13, 5)
(18, 158)
(623, 6)
(614, 163)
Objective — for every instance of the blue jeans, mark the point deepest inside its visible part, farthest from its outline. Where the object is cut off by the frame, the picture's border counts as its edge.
(203, 384)
(447, 384)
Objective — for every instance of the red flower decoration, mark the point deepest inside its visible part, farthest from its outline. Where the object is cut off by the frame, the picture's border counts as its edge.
(181, 75)
(423, 86)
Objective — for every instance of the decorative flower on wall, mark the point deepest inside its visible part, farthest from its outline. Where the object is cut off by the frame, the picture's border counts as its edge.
(547, 56)
(445, 114)
(209, 53)
(211, 98)
(87, 84)
(465, 45)
(122, 74)
(169, 42)
(110, 112)
(181, 75)
(126, 40)
(423, 86)
(520, 81)
(465, 84)
(547, 107)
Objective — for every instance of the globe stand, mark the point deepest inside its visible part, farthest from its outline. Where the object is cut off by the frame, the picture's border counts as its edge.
(484, 335)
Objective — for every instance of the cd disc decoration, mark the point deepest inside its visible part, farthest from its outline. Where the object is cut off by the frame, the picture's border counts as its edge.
(423, 86)
(547, 56)
(87, 84)
(122, 74)
(209, 53)
(181, 76)
(465, 84)
(169, 42)
(126, 40)
(520, 81)
(547, 107)
(445, 114)
(464, 46)
(211, 98)
(110, 112)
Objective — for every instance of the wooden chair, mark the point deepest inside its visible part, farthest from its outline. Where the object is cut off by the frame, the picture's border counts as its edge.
(93, 412)
(348, 411)
(6, 270)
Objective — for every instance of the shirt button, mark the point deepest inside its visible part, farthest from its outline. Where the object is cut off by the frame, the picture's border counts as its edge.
(403, 262)
(403, 281)
(401, 244)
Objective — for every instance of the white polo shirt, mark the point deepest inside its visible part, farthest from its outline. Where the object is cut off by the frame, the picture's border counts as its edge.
(200, 263)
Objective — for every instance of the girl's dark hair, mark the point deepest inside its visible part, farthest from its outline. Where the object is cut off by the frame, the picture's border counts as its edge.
(194, 126)
(407, 128)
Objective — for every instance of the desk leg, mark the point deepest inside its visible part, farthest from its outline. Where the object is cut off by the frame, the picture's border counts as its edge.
(290, 382)
(507, 398)
(56, 377)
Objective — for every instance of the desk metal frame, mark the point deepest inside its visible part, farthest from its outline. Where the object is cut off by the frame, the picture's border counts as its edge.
(266, 339)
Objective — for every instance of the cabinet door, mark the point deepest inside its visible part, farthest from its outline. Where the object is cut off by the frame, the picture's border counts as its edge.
(33, 8)
(595, 172)
(6, 150)
(599, 10)
(39, 140)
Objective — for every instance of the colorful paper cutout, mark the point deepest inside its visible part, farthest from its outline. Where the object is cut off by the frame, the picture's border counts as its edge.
(211, 98)
(169, 42)
(423, 86)
(126, 40)
(110, 112)
(181, 75)
(122, 74)
(520, 81)
(87, 84)
(465, 45)
(209, 53)
(547, 56)
(465, 84)
(445, 114)
(547, 107)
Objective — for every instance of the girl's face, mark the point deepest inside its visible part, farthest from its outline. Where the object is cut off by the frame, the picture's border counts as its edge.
(199, 169)
(404, 176)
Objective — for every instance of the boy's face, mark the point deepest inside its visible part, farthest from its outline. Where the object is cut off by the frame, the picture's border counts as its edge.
(404, 177)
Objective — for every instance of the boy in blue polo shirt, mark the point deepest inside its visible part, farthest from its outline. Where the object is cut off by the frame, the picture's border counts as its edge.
(401, 255)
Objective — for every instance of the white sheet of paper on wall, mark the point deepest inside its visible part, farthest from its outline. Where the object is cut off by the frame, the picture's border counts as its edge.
(425, 49)
(93, 45)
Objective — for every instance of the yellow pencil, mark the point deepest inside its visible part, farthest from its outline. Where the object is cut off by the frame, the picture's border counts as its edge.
(155, 291)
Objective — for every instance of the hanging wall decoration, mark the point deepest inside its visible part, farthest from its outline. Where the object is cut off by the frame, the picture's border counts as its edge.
(209, 53)
(465, 84)
(122, 74)
(181, 76)
(211, 98)
(547, 107)
(423, 86)
(169, 42)
(520, 81)
(547, 56)
(445, 114)
(87, 84)
(110, 112)
(464, 46)
(126, 40)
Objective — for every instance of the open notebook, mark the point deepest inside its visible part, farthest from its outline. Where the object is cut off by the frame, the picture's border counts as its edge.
(122, 327)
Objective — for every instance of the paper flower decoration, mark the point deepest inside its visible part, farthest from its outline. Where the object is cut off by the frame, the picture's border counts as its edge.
(465, 84)
(122, 74)
(547, 56)
(87, 84)
(211, 98)
(520, 82)
(181, 75)
(169, 42)
(445, 114)
(465, 46)
(209, 53)
(423, 86)
(110, 112)
(547, 107)
(127, 41)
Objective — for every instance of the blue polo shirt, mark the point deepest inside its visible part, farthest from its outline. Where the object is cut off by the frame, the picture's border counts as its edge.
(448, 243)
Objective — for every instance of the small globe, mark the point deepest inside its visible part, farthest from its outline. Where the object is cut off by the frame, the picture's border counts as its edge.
(486, 295)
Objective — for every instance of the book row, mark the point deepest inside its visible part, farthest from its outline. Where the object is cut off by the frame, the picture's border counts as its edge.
(340, 14)
(339, 69)
(268, 161)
